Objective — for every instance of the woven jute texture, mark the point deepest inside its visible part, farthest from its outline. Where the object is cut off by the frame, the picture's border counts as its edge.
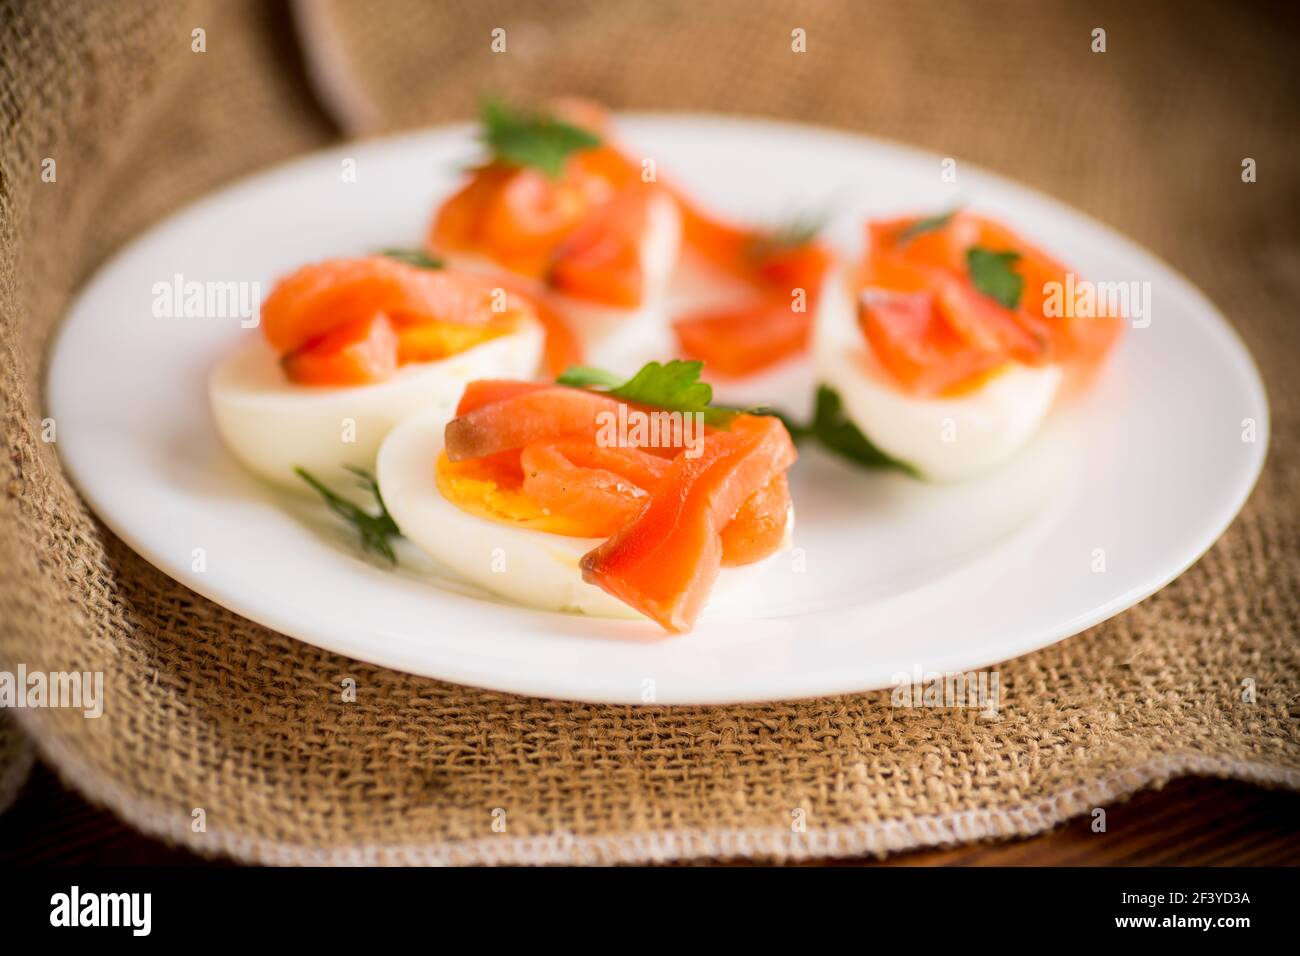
(206, 710)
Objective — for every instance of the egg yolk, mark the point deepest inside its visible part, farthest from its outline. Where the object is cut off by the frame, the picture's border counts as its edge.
(371, 350)
(432, 341)
(492, 488)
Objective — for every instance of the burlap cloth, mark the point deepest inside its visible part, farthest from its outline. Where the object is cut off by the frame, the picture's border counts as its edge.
(206, 710)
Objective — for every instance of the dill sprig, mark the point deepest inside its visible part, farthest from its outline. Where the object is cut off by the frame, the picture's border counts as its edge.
(376, 528)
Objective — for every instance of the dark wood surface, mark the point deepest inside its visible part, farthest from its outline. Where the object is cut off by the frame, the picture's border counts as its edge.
(1190, 822)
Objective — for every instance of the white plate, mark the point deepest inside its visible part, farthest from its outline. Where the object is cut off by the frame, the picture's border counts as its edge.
(893, 576)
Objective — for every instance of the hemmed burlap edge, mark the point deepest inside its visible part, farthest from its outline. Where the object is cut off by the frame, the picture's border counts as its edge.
(770, 844)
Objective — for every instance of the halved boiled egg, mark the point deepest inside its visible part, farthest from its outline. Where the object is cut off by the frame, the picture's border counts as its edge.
(479, 524)
(504, 548)
(622, 336)
(581, 231)
(353, 347)
(615, 329)
(273, 425)
(946, 436)
(947, 350)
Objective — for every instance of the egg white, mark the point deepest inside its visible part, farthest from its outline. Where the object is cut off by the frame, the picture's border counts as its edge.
(618, 339)
(533, 568)
(272, 424)
(943, 438)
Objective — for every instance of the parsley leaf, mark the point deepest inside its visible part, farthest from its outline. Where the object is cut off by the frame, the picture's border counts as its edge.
(532, 139)
(375, 529)
(675, 386)
(413, 257)
(834, 431)
(922, 226)
(586, 376)
(992, 274)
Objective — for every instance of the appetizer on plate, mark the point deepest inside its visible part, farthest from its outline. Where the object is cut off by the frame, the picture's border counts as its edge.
(571, 221)
(352, 347)
(940, 348)
(608, 499)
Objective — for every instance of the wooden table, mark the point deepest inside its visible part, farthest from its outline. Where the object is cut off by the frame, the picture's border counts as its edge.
(1190, 822)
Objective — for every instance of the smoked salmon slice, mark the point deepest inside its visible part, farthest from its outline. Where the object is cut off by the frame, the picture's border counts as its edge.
(759, 527)
(915, 344)
(665, 561)
(552, 229)
(537, 455)
(747, 338)
(975, 318)
(598, 489)
(317, 298)
(528, 415)
(742, 340)
(499, 416)
(773, 261)
(600, 261)
(526, 200)
(936, 330)
(358, 352)
(526, 217)
(519, 216)
(354, 321)
(721, 243)
(485, 391)
(634, 465)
